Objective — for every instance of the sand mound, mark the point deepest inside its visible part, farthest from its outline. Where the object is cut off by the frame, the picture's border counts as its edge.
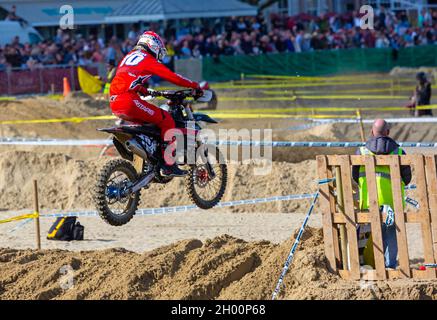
(84, 103)
(326, 132)
(63, 182)
(67, 183)
(45, 108)
(221, 268)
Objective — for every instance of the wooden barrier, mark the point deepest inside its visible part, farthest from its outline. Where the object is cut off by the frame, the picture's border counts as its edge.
(344, 212)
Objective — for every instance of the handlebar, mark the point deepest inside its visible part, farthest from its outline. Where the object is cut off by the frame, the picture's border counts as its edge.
(171, 94)
(179, 96)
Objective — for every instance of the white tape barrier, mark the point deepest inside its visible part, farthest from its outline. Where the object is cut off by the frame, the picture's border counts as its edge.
(300, 127)
(320, 144)
(54, 142)
(289, 144)
(178, 209)
(20, 225)
(390, 120)
(320, 122)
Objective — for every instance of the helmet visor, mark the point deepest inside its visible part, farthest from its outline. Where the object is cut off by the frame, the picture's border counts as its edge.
(162, 54)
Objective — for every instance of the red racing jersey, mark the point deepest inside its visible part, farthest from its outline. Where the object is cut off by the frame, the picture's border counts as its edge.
(137, 67)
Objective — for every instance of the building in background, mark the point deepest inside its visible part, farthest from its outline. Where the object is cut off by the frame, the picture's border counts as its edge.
(89, 15)
(107, 18)
(175, 16)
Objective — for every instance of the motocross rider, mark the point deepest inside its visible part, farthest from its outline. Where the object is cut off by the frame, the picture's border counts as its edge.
(132, 74)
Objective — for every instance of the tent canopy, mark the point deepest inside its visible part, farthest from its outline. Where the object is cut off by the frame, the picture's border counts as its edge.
(153, 10)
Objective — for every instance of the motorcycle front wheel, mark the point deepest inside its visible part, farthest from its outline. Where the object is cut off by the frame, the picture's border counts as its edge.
(207, 178)
(113, 203)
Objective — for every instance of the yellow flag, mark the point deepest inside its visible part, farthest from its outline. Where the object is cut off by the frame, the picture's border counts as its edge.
(88, 83)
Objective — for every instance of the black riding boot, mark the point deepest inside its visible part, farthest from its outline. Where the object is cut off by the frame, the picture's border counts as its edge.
(173, 171)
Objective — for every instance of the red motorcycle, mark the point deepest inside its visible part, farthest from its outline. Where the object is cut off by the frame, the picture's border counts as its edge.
(117, 192)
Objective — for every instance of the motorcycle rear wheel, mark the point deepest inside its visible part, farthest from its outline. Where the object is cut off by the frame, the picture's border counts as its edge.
(109, 192)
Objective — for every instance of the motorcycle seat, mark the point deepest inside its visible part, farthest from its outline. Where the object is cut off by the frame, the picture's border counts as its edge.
(147, 128)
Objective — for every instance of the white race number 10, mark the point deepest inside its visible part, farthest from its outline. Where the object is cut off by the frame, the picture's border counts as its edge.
(132, 59)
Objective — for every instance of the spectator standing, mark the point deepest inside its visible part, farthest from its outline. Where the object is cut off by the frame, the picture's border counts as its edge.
(423, 93)
(380, 143)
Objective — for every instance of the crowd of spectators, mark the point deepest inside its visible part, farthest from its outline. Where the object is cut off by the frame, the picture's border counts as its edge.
(236, 36)
(306, 33)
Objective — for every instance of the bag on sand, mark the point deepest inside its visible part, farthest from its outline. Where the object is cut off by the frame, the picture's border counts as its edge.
(66, 229)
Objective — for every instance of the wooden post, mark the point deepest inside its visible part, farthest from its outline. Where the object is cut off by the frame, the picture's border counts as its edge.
(375, 217)
(343, 240)
(360, 119)
(401, 230)
(349, 214)
(423, 198)
(36, 207)
(431, 179)
(330, 237)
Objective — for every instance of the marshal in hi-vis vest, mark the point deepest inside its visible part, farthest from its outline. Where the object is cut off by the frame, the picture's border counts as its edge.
(383, 183)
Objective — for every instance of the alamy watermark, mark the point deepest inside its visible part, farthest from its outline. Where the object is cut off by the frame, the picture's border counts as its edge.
(67, 19)
(66, 280)
(243, 146)
(368, 19)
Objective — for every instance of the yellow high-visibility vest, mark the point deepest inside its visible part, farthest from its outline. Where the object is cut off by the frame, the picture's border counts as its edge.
(383, 183)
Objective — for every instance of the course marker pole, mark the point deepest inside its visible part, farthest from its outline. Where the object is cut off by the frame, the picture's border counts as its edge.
(360, 119)
(36, 204)
(297, 240)
(293, 248)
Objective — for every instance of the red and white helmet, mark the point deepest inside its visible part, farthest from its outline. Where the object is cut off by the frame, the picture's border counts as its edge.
(152, 42)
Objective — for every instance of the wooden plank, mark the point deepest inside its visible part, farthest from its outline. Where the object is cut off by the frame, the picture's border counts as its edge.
(351, 225)
(394, 274)
(357, 160)
(421, 274)
(345, 274)
(407, 160)
(386, 160)
(325, 207)
(332, 160)
(422, 197)
(364, 217)
(401, 232)
(381, 160)
(375, 217)
(368, 275)
(431, 180)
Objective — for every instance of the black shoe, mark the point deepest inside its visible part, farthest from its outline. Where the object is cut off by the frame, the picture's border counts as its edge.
(173, 171)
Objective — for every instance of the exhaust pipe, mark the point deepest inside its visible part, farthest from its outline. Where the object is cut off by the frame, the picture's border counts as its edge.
(133, 146)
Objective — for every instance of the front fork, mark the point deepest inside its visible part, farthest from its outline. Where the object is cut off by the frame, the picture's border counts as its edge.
(204, 157)
(198, 144)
